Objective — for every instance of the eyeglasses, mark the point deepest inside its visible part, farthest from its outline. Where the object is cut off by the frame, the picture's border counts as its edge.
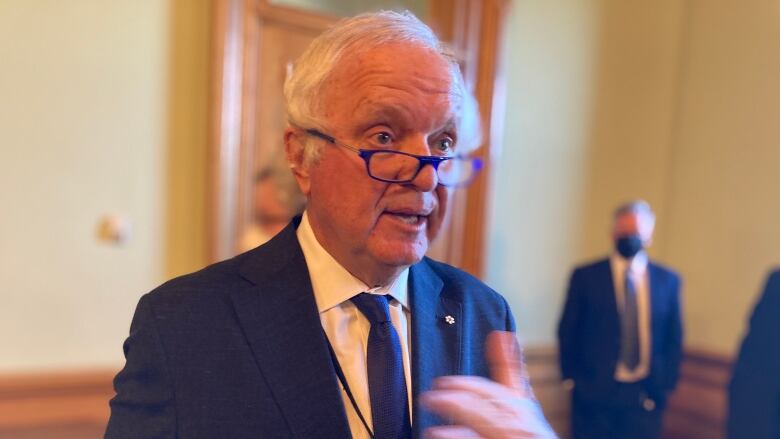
(392, 166)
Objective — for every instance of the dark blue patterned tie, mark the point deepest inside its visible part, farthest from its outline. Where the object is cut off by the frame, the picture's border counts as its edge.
(629, 351)
(386, 381)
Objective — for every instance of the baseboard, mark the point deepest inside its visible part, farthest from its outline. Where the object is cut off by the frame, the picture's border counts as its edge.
(75, 404)
(696, 410)
(544, 372)
(56, 404)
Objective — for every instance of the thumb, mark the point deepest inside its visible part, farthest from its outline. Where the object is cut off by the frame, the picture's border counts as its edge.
(505, 359)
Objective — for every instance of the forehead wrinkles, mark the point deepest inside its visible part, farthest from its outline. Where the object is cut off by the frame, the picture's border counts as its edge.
(402, 63)
(434, 114)
(413, 94)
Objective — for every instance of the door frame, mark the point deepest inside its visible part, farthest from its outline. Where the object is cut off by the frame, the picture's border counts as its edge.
(475, 31)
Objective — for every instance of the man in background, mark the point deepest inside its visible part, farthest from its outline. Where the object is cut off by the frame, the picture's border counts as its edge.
(275, 200)
(620, 335)
(754, 393)
(339, 326)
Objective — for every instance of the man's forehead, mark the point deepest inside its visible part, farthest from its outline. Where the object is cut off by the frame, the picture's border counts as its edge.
(408, 59)
(395, 82)
(641, 220)
(374, 108)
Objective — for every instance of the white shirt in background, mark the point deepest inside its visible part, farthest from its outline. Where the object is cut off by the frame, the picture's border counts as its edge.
(638, 273)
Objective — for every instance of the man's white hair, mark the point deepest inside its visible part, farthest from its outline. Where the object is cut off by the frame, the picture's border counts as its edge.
(641, 207)
(303, 88)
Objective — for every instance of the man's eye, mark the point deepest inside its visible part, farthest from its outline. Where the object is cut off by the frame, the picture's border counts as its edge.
(445, 145)
(383, 138)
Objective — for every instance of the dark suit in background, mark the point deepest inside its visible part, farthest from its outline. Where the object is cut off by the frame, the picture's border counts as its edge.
(237, 350)
(589, 341)
(754, 397)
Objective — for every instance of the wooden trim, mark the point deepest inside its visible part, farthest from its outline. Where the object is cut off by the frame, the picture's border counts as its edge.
(249, 102)
(698, 407)
(293, 17)
(476, 35)
(237, 25)
(544, 373)
(475, 29)
(31, 401)
(490, 91)
(227, 64)
(696, 410)
(58, 401)
(55, 383)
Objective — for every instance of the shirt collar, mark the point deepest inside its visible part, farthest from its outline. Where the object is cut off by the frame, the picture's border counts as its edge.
(332, 283)
(638, 263)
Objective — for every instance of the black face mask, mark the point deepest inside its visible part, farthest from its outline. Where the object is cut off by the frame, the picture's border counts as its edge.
(628, 246)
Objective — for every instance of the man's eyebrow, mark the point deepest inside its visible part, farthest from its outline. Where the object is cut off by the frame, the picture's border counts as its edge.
(379, 113)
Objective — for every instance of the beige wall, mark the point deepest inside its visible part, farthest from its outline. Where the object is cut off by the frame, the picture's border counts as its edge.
(724, 211)
(94, 122)
(590, 85)
(675, 102)
(104, 109)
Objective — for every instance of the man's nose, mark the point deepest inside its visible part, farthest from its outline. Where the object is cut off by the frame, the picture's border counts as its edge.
(427, 179)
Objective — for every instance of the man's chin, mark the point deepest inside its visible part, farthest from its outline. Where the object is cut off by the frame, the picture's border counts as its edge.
(402, 255)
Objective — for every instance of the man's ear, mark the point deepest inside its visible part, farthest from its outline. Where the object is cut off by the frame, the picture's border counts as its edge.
(293, 146)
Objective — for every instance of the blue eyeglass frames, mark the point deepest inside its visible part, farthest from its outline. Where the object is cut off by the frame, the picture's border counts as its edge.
(392, 166)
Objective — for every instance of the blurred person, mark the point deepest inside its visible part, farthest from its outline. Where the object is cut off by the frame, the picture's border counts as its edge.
(275, 200)
(754, 392)
(339, 326)
(620, 335)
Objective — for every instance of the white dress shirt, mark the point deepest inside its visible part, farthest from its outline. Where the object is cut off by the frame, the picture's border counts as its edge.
(347, 328)
(638, 273)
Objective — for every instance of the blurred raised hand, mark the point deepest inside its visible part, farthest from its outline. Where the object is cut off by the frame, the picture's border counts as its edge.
(502, 407)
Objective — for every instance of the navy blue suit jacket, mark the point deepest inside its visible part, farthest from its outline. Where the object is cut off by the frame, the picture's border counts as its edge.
(237, 349)
(589, 332)
(754, 397)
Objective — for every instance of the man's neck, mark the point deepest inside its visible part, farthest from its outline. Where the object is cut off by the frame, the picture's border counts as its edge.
(377, 278)
(363, 267)
(638, 261)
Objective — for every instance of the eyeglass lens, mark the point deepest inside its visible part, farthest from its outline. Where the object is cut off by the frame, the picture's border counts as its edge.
(399, 167)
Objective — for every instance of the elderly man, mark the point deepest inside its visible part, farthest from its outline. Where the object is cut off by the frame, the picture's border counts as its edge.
(620, 335)
(339, 326)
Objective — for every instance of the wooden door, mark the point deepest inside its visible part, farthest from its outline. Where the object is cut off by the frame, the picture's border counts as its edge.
(255, 40)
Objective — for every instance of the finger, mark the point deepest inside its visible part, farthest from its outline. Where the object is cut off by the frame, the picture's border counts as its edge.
(450, 432)
(505, 360)
(515, 417)
(479, 386)
(467, 409)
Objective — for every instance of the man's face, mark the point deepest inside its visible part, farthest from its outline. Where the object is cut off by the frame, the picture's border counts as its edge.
(634, 223)
(396, 96)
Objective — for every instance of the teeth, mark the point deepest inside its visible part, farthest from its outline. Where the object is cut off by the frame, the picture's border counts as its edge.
(409, 219)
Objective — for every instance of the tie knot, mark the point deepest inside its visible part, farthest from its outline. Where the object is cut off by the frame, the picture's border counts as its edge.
(373, 306)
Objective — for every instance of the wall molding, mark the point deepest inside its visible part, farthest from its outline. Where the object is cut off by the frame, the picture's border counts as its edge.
(544, 372)
(699, 406)
(61, 404)
(697, 409)
(74, 404)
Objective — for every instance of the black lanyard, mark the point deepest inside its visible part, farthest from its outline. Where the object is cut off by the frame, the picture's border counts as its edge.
(345, 385)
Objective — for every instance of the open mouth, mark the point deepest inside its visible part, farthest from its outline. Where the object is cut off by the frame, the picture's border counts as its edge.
(410, 218)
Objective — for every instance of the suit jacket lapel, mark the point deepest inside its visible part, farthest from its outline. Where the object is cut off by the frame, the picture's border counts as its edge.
(655, 291)
(436, 344)
(282, 325)
(609, 296)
